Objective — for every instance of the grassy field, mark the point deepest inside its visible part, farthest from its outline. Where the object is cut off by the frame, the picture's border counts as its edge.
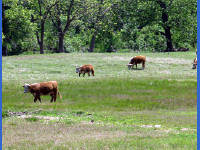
(116, 109)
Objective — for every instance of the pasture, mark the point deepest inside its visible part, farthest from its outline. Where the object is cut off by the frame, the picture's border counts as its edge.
(117, 109)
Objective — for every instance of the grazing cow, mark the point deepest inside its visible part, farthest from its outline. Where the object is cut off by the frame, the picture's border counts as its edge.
(85, 69)
(194, 63)
(137, 60)
(43, 88)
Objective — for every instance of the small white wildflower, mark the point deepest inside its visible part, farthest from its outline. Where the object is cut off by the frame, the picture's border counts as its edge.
(157, 126)
(184, 129)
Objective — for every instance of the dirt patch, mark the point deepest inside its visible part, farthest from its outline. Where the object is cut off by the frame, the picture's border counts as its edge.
(40, 117)
(22, 113)
(117, 58)
(16, 132)
(22, 131)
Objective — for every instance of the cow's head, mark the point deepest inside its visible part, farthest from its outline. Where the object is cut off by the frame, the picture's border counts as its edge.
(77, 69)
(26, 88)
(194, 66)
(129, 66)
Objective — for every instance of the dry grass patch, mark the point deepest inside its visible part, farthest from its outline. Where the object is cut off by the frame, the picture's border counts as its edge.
(22, 134)
(16, 132)
(169, 60)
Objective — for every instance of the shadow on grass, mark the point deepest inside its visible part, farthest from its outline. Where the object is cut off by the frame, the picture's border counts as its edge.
(137, 69)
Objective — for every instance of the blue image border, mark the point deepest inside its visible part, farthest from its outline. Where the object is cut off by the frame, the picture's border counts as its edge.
(198, 75)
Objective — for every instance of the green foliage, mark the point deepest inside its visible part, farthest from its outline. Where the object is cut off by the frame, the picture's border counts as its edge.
(148, 14)
(18, 27)
(147, 40)
(108, 40)
(117, 25)
(5, 114)
(3, 37)
(75, 44)
(184, 23)
(32, 119)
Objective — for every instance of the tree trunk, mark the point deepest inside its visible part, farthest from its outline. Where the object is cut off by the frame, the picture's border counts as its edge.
(166, 26)
(42, 38)
(61, 43)
(5, 30)
(4, 51)
(41, 48)
(168, 39)
(92, 43)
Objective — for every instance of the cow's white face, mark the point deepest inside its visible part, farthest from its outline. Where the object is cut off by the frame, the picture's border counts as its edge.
(26, 88)
(129, 66)
(194, 66)
(77, 69)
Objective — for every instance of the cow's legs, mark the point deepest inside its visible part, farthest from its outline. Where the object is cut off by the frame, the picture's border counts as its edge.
(143, 65)
(84, 74)
(35, 99)
(79, 74)
(39, 99)
(93, 72)
(52, 97)
(88, 73)
(132, 67)
(55, 95)
(136, 66)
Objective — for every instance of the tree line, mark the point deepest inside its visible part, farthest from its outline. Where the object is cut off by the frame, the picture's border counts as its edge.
(57, 26)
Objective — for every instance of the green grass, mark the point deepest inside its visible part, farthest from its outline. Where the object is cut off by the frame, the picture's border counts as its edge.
(32, 119)
(118, 101)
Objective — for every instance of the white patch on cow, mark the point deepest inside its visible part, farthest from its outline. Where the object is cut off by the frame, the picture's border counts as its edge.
(77, 69)
(129, 66)
(34, 83)
(26, 88)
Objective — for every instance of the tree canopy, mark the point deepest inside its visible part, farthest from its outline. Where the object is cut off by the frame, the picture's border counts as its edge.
(42, 26)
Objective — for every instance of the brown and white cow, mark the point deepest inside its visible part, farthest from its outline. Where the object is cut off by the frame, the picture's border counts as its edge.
(43, 88)
(194, 63)
(85, 69)
(137, 60)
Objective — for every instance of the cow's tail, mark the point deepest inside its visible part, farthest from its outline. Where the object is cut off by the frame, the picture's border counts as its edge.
(60, 95)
